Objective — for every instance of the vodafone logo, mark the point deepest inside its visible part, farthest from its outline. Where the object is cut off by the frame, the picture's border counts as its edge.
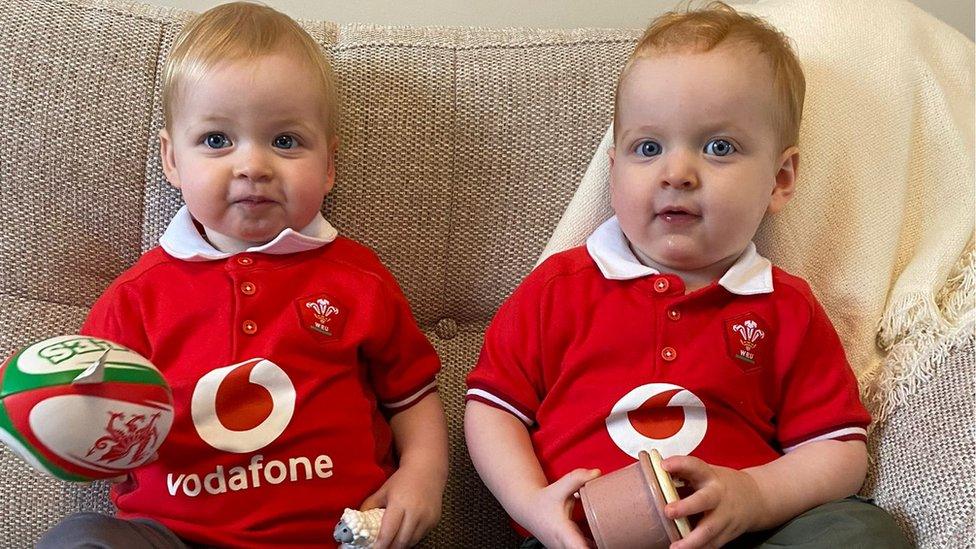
(243, 407)
(667, 417)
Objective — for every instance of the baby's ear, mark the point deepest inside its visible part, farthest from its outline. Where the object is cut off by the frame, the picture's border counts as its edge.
(333, 152)
(612, 154)
(789, 161)
(167, 155)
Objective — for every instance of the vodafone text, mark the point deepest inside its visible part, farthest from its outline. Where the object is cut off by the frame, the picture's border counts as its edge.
(254, 475)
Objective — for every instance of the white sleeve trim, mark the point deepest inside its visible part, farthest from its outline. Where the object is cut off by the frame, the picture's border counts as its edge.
(830, 435)
(490, 397)
(410, 399)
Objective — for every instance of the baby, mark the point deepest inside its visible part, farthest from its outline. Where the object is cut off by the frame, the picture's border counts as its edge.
(295, 363)
(668, 330)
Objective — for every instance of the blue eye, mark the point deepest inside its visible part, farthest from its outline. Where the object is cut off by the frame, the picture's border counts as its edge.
(285, 142)
(216, 141)
(648, 148)
(719, 147)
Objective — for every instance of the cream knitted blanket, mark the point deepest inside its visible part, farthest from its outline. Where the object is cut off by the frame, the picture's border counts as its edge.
(882, 222)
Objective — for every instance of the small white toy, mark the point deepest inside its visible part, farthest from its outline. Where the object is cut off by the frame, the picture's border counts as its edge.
(358, 529)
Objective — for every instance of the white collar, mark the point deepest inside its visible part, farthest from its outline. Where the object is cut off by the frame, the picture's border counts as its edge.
(750, 274)
(183, 241)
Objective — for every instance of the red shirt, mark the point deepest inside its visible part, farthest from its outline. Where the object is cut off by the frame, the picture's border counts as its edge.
(602, 357)
(284, 369)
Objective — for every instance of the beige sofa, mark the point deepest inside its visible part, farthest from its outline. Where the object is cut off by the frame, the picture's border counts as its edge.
(460, 150)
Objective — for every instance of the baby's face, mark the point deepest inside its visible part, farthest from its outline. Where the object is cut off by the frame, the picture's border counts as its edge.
(697, 161)
(249, 149)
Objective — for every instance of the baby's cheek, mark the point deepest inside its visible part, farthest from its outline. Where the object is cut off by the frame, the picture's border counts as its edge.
(631, 203)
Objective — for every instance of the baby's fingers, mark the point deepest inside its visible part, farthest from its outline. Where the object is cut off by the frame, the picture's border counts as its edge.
(422, 525)
(704, 535)
(392, 518)
(376, 499)
(572, 481)
(703, 500)
(691, 469)
(404, 537)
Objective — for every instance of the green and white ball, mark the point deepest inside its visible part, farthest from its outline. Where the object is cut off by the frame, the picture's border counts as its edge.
(83, 408)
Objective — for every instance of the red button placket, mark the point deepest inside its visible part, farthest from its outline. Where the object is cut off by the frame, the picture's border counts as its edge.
(245, 323)
(668, 290)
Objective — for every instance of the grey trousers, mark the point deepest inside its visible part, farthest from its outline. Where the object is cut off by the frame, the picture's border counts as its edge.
(97, 531)
(852, 523)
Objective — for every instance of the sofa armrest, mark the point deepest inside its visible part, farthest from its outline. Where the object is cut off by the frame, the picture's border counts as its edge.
(922, 470)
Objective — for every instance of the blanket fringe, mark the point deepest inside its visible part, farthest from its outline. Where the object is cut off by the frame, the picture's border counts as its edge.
(956, 298)
(919, 331)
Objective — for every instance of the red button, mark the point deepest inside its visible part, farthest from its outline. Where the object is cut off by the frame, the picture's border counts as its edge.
(248, 288)
(250, 327)
(669, 354)
(244, 260)
(661, 285)
(674, 314)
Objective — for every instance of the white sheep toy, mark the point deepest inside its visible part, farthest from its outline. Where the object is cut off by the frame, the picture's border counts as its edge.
(358, 529)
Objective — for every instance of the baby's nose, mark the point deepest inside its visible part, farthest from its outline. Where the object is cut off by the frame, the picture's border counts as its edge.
(253, 164)
(679, 171)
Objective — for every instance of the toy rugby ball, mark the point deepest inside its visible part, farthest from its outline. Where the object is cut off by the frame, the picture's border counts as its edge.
(82, 408)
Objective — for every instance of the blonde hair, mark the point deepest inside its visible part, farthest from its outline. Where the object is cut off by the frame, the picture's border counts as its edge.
(718, 23)
(242, 31)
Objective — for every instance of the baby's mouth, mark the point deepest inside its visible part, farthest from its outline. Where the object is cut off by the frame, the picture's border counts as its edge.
(253, 201)
(677, 214)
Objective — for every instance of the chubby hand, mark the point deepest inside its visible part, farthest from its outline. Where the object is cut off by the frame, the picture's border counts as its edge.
(413, 506)
(728, 498)
(548, 512)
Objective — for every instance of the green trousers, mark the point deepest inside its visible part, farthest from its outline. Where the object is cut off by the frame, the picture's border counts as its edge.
(851, 523)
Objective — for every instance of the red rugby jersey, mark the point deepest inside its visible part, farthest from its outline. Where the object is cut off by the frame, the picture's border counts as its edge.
(601, 357)
(284, 364)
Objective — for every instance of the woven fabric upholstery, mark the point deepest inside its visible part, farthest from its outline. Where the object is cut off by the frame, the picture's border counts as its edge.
(459, 151)
(923, 458)
(472, 517)
(76, 85)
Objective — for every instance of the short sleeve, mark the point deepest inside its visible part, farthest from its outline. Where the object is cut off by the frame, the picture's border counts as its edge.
(819, 398)
(402, 363)
(115, 316)
(509, 370)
